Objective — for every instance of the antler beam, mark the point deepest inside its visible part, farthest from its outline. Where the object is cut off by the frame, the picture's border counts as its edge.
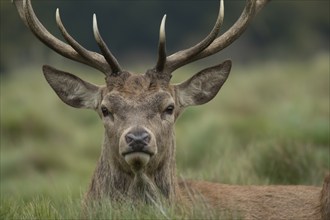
(215, 44)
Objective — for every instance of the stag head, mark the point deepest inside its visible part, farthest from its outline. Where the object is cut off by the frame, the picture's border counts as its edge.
(138, 110)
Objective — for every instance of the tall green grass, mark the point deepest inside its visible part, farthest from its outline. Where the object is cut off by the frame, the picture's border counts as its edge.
(268, 125)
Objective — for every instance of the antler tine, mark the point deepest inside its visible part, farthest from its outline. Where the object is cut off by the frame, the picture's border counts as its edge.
(89, 58)
(104, 48)
(86, 54)
(161, 46)
(260, 5)
(183, 57)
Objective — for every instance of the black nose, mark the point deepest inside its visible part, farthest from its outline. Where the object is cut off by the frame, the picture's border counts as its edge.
(137, 139)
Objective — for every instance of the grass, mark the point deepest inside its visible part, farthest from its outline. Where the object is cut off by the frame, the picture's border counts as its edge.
(268, 125)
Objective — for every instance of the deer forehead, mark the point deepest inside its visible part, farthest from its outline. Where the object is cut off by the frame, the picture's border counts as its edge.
(135, 84)
(133, 92)
(143, 100)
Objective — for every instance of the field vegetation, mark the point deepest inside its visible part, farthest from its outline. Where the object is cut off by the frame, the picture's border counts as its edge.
(268, 125)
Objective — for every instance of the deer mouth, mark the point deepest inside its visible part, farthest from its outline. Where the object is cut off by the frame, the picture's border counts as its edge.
(124, 154)
(137, 160)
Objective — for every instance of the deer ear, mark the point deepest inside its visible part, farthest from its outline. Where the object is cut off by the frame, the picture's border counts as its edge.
(71, 89)
(203, 86)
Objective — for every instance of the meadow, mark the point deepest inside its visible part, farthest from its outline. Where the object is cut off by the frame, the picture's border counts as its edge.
(268, 125)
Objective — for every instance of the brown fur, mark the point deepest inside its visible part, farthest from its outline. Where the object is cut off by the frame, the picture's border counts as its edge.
(325, 198)
(260, 202)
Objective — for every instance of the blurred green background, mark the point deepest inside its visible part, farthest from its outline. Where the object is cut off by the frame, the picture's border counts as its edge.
(268, 125)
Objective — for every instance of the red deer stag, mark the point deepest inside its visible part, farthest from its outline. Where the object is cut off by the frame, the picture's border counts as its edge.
(138, 111)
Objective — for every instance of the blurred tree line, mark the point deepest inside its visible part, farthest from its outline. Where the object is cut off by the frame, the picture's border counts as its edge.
(284, 29)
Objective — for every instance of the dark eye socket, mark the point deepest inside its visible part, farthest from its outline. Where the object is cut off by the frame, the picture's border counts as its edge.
(169, 110)
(105, 111)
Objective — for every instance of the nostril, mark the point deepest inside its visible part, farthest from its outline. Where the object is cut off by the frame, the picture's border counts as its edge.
(129, 138)
(138, 137)
(145, 137)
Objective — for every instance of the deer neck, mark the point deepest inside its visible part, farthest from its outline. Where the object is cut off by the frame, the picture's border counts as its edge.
(110, 179)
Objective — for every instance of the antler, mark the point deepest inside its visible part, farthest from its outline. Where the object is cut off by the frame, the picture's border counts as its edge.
(106, 63)
(211, 44)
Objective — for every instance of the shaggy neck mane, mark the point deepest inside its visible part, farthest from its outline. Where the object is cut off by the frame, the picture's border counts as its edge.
(110, 181)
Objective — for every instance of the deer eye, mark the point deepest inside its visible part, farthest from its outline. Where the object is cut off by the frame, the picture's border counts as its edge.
(169, 110)
(105, 111)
